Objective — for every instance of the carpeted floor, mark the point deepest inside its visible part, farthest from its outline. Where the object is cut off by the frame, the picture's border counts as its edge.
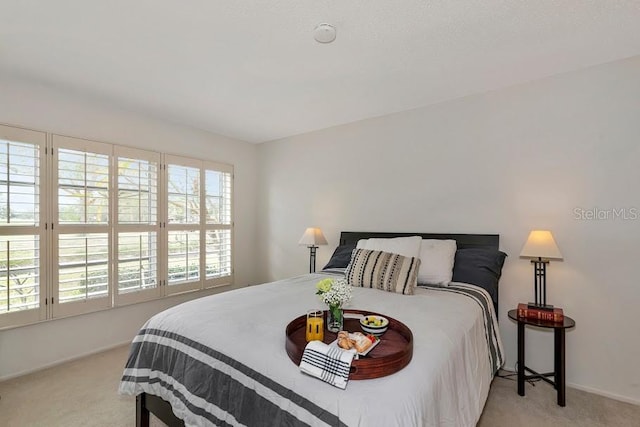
(505, 407)
(83, 393)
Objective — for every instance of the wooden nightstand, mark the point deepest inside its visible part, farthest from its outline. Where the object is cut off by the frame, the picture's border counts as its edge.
(558, 350)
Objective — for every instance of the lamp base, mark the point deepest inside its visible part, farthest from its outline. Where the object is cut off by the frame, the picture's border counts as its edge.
(547, 307)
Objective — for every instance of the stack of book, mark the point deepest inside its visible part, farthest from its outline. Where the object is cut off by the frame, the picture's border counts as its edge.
(554, 315)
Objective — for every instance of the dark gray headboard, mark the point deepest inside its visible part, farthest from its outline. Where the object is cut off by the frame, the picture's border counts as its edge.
(463, 241)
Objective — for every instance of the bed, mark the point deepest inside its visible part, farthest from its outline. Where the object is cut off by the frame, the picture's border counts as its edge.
(221, 360)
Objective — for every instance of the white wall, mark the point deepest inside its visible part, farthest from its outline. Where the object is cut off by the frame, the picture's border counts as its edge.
(39, 107)
(503, 162)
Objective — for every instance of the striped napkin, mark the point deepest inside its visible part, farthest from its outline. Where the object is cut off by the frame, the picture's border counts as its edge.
(329, 363)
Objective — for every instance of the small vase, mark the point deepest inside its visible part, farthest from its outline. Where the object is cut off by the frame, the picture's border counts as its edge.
(335, 318)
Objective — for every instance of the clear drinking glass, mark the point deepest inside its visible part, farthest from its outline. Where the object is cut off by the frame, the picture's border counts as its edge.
(315, 325)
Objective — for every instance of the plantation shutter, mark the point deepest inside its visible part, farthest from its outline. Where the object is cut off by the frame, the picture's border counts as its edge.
(218, 226)
(82, 235)
(137, 226)
(183, 229)
(22, 231)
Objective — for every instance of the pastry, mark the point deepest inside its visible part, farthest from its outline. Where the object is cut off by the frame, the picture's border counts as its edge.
(344, 341)
(356, 340)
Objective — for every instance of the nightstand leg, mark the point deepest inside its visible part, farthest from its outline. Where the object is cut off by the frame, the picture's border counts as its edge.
(521, 358)
(556, 359)
(559, 351)
(142, 413)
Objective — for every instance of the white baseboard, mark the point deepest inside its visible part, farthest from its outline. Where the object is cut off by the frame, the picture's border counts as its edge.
(65, 360)
(605, 393)
(595, 391)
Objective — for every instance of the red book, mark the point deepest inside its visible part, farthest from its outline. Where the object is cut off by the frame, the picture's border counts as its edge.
(555, 315)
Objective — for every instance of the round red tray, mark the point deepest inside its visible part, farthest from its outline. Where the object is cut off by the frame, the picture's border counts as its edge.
(393, 353)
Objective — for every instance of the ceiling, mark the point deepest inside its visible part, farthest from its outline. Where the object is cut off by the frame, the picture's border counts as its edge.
(252, 70)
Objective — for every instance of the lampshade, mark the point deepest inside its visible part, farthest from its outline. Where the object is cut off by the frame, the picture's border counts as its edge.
(541, 244)
(312, 237)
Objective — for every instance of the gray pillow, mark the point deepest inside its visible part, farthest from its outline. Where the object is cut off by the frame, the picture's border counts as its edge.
(341, 256)
(481, 267)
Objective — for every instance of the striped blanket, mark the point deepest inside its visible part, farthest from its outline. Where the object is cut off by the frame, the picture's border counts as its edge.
(220, 360)
(492, 334)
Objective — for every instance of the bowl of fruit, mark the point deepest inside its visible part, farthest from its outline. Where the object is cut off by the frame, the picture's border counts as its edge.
(374, 324)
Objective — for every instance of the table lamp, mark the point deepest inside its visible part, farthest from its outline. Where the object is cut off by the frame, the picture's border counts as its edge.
(541, 247)
(312, 237)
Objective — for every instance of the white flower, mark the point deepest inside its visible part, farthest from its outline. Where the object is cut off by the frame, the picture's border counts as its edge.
(338, 294)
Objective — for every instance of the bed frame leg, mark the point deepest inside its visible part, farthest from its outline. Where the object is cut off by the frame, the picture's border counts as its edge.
(142, 413)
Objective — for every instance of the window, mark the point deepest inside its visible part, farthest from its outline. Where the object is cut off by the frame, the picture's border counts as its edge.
(21, 226)
(86, 226)
(199, 225)
(20, 270)
(82, 232)
(183, 223)
(218, 227)
(137, 225)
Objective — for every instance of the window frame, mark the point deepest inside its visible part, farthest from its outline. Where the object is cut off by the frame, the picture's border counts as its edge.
(152, 293)
(39, 139)
(49, 230)
(98, 303)
(224, 168)
(187, 285)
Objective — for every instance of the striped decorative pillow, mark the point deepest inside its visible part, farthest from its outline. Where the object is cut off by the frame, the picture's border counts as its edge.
(383, 270)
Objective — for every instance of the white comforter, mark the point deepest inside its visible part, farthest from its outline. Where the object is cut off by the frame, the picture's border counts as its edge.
(445, 384)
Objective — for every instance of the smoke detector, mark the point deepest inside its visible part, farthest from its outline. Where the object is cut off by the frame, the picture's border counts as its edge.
(324, 33)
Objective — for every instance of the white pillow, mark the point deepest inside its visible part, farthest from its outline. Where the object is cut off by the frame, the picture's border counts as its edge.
(405, 246)
(436, 262)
